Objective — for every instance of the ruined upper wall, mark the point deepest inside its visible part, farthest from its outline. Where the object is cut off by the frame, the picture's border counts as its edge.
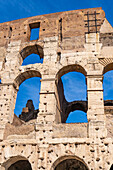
(65, 25)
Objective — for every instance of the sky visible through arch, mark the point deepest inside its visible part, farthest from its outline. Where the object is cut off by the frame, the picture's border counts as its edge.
(17, 9)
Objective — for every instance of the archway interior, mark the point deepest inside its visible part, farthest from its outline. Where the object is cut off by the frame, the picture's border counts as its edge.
(32, 59)
(74, 86)
(20, 165)
(33, 49)
(77, 116)
(71, 164)
(28, 90)
(108, 85)
(73, 97)
(111, 167)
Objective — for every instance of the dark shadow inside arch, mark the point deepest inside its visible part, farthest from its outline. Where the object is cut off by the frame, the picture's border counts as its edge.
(32, 54)
(111, 167)
(32, 49)
(71, 164)
(20, 165)
(72, 96)
(108, 67)
(32, 59)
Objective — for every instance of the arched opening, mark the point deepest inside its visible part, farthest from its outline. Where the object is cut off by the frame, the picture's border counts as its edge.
(27, 102)
(69, 163)
(34, 29)
(108, 97)
(23, 165)
(32, 54)
(108, 85)
(17, 163)
(108, 67)
(32, 59)
(76, 117)
(72, 94)
(111, 167)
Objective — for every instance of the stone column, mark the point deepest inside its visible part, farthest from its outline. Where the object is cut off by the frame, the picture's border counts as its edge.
(47, 106)
(95, 112)
(7, 104)
(50, 49)
(42, 159)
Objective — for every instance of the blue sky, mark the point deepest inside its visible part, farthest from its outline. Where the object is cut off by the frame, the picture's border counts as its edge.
(17, 9)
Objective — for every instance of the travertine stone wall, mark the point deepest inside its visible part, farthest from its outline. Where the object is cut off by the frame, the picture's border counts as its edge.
(68, 41)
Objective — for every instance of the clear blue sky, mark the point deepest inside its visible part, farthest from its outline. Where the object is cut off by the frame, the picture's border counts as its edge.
(17, 9)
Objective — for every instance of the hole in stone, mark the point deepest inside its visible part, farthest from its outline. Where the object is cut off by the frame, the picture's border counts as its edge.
(97, 128)
(35, 28)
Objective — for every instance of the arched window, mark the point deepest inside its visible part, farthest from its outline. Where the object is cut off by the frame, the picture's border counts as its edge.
(27, 102)
(76, 117)
(74, 86)
(75, 90)
(69, 162)
(108, 85)
(32, 54)
(17, 163)
(28, 90)
(32, 59)
(21, 164)
(108, 97)
(72, 95)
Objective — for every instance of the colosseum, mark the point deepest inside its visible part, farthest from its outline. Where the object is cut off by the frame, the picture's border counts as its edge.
(80, 41)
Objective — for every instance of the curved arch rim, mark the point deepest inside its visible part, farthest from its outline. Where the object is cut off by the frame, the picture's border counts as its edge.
(108, 67)
(66, 157)
(35, 49)
(13, 159)
(70, 68)
(26, 75)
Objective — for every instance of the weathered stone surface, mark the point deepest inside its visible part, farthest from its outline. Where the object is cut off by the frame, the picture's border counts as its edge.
(68, 41)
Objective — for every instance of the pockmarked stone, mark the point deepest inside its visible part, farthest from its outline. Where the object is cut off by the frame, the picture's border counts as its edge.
(80, 41)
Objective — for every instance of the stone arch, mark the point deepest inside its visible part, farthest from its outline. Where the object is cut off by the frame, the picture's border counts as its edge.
(70, 68)
(20, 79)
(24, 76)
(75, 106)
(107, 68)
(107, 79)
(71, 162)
(17, 162)
(62, 105)
(30, 49)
